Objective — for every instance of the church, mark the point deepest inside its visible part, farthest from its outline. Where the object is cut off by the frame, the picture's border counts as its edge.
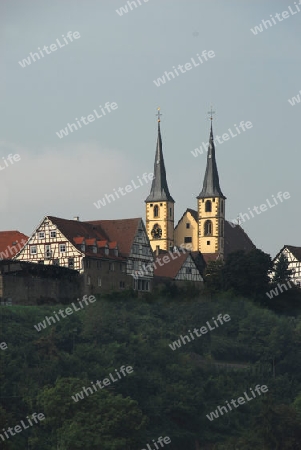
(205, 229)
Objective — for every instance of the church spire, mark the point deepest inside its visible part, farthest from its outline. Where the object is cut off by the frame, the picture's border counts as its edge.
(159, 190)
(211, 187)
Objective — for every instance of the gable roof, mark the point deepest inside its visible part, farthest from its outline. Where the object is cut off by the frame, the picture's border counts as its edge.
(121, 230)
(172, 268)
(11, 239)
(193, 212)
(74, 228)
(236, 239)
(296, 252)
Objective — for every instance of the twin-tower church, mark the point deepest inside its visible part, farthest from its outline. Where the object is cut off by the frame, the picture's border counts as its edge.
(206, 229)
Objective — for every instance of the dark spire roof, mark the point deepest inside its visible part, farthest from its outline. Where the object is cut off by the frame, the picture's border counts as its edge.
(159, 190)
(211, 187)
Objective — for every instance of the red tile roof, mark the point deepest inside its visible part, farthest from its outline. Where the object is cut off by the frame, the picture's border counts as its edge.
(78, 240)
(75, 228)
(11, 243)
(123, 231)
(169, 269)
(91, 241)
(102, 244)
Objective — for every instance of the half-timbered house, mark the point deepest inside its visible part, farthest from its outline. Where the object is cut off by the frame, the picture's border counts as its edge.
(104, 252)
(293, 255)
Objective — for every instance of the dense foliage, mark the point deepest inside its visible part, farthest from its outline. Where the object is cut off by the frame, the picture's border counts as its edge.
(169, 393)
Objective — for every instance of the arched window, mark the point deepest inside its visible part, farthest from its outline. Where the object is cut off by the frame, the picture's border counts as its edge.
(208, 228)
(208, 206)
(156, 211)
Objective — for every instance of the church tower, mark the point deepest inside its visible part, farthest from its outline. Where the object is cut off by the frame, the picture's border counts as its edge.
(211, 207)
(160, 204)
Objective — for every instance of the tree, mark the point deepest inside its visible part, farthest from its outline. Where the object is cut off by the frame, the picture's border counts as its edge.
(282, 272)
(247, 273)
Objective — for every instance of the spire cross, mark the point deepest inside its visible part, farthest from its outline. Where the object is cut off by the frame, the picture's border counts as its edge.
(211, 113)
(159, 115)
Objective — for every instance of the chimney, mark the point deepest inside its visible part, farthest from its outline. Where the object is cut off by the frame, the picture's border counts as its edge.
(76, 218)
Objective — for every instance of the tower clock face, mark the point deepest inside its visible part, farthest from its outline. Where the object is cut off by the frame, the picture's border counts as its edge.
(156, 232)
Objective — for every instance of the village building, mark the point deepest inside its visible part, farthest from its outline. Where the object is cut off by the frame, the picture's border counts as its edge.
(293, 256)
(105, 253)
(177, 267)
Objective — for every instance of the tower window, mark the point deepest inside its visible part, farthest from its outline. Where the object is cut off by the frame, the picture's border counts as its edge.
(187, 239)
(208, 207)
(208, 242)
(151, 205)
(161, 204)
(187, 225)
(156, 211)
(222, 228)
(208, 228)
(213, 199)
(170, 212)
(222, 206)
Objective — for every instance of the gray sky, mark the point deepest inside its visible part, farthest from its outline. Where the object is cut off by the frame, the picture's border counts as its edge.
(116, 59)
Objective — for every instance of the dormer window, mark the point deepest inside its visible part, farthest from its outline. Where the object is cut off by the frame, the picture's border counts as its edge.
(106, 251)
(83, 248)
(94, 249)
(116, 251)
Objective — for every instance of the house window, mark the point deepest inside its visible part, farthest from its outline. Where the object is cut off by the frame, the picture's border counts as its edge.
(115, 251)
(88, 280)
(208, 228)
(107, 251)
(208, 206)
(187, 225)
(71, 263)
(52, 234)
(62, 248)
(56, 262)
(187, 239)
(156, 211)
(41, 261)
(136, 265)
(88, 263)
(121, 284)
(111, 267)
(122, 267)
(33, 250)
(48, 252)
(83, 247)
(41, 235)
(99, 281)
(208, 242)
(94, 249)
(98, 264)
(188, 269)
